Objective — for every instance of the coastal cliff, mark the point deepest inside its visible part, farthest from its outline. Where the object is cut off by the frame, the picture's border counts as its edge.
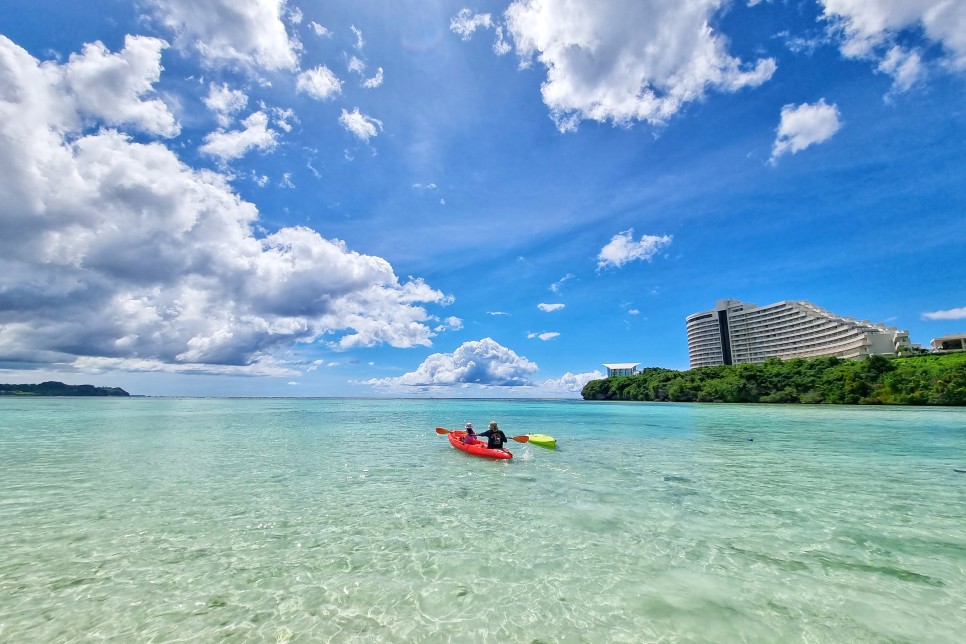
(933, 379)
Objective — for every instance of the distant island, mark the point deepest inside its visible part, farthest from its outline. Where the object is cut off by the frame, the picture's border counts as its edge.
(931, 379)
(60, 389)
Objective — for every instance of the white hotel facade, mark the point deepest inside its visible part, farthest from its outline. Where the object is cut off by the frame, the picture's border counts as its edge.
(737, 332)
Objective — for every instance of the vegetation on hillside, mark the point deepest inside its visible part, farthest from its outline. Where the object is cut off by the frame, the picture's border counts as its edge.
(932, 379)
(53, 388)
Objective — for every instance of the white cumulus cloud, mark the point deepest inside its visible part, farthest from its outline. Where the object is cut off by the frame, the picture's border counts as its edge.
(375, 81)
(247, 32)
(873, 29)
(949, 314)
(466, 22)
(804, 125)
(570, 382)
(115, 254)
(546, 335)
(284, 118)
(621, 60)
(319, 82)
(479, 362)
(451, 323)
(224, 102)
(622, 249)
(98, 87)
(356, 65)
(319, 30)
(905, 66)
(550, 307)
(360, 125)
(256, 135)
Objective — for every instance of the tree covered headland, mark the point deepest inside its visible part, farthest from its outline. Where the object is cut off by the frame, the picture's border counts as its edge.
(931, 379)
(60, 389)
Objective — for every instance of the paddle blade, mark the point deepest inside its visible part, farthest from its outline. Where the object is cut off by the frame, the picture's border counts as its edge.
(520, 439)
(440, 430)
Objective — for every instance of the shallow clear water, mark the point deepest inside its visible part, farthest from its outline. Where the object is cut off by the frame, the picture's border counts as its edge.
(165, 520)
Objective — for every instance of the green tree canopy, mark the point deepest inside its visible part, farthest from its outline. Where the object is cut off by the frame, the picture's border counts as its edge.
(930, 379)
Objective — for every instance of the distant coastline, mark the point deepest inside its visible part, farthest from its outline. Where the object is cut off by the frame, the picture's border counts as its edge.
(53, 388)
(932, 379)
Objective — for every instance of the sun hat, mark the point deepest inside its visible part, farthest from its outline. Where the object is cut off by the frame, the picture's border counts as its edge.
(469, 425)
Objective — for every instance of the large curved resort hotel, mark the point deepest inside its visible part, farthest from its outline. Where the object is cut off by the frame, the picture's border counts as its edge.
(737, 332)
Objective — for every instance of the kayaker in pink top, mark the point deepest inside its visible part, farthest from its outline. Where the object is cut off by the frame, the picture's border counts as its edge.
(470, 438)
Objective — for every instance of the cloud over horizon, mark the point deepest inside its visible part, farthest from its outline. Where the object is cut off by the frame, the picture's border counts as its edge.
(118, 251)
(478, 362)
(571, 382)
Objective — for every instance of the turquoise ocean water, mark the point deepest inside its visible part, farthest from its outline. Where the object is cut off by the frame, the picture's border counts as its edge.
(253, 520)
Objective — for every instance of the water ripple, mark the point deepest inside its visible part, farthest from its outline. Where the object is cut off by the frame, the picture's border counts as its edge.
(281, 520)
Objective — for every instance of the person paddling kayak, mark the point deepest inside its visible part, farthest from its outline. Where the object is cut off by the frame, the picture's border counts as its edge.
(495, 438)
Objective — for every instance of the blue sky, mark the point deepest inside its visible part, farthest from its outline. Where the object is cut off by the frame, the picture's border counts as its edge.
(434, 198)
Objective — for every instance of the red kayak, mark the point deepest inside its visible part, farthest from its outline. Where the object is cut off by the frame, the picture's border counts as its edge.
(478, 449)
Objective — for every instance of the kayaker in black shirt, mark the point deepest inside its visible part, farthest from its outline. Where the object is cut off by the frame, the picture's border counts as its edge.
(494, 437)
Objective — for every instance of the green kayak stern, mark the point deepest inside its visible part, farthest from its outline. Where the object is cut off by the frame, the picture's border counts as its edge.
(543, 440)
